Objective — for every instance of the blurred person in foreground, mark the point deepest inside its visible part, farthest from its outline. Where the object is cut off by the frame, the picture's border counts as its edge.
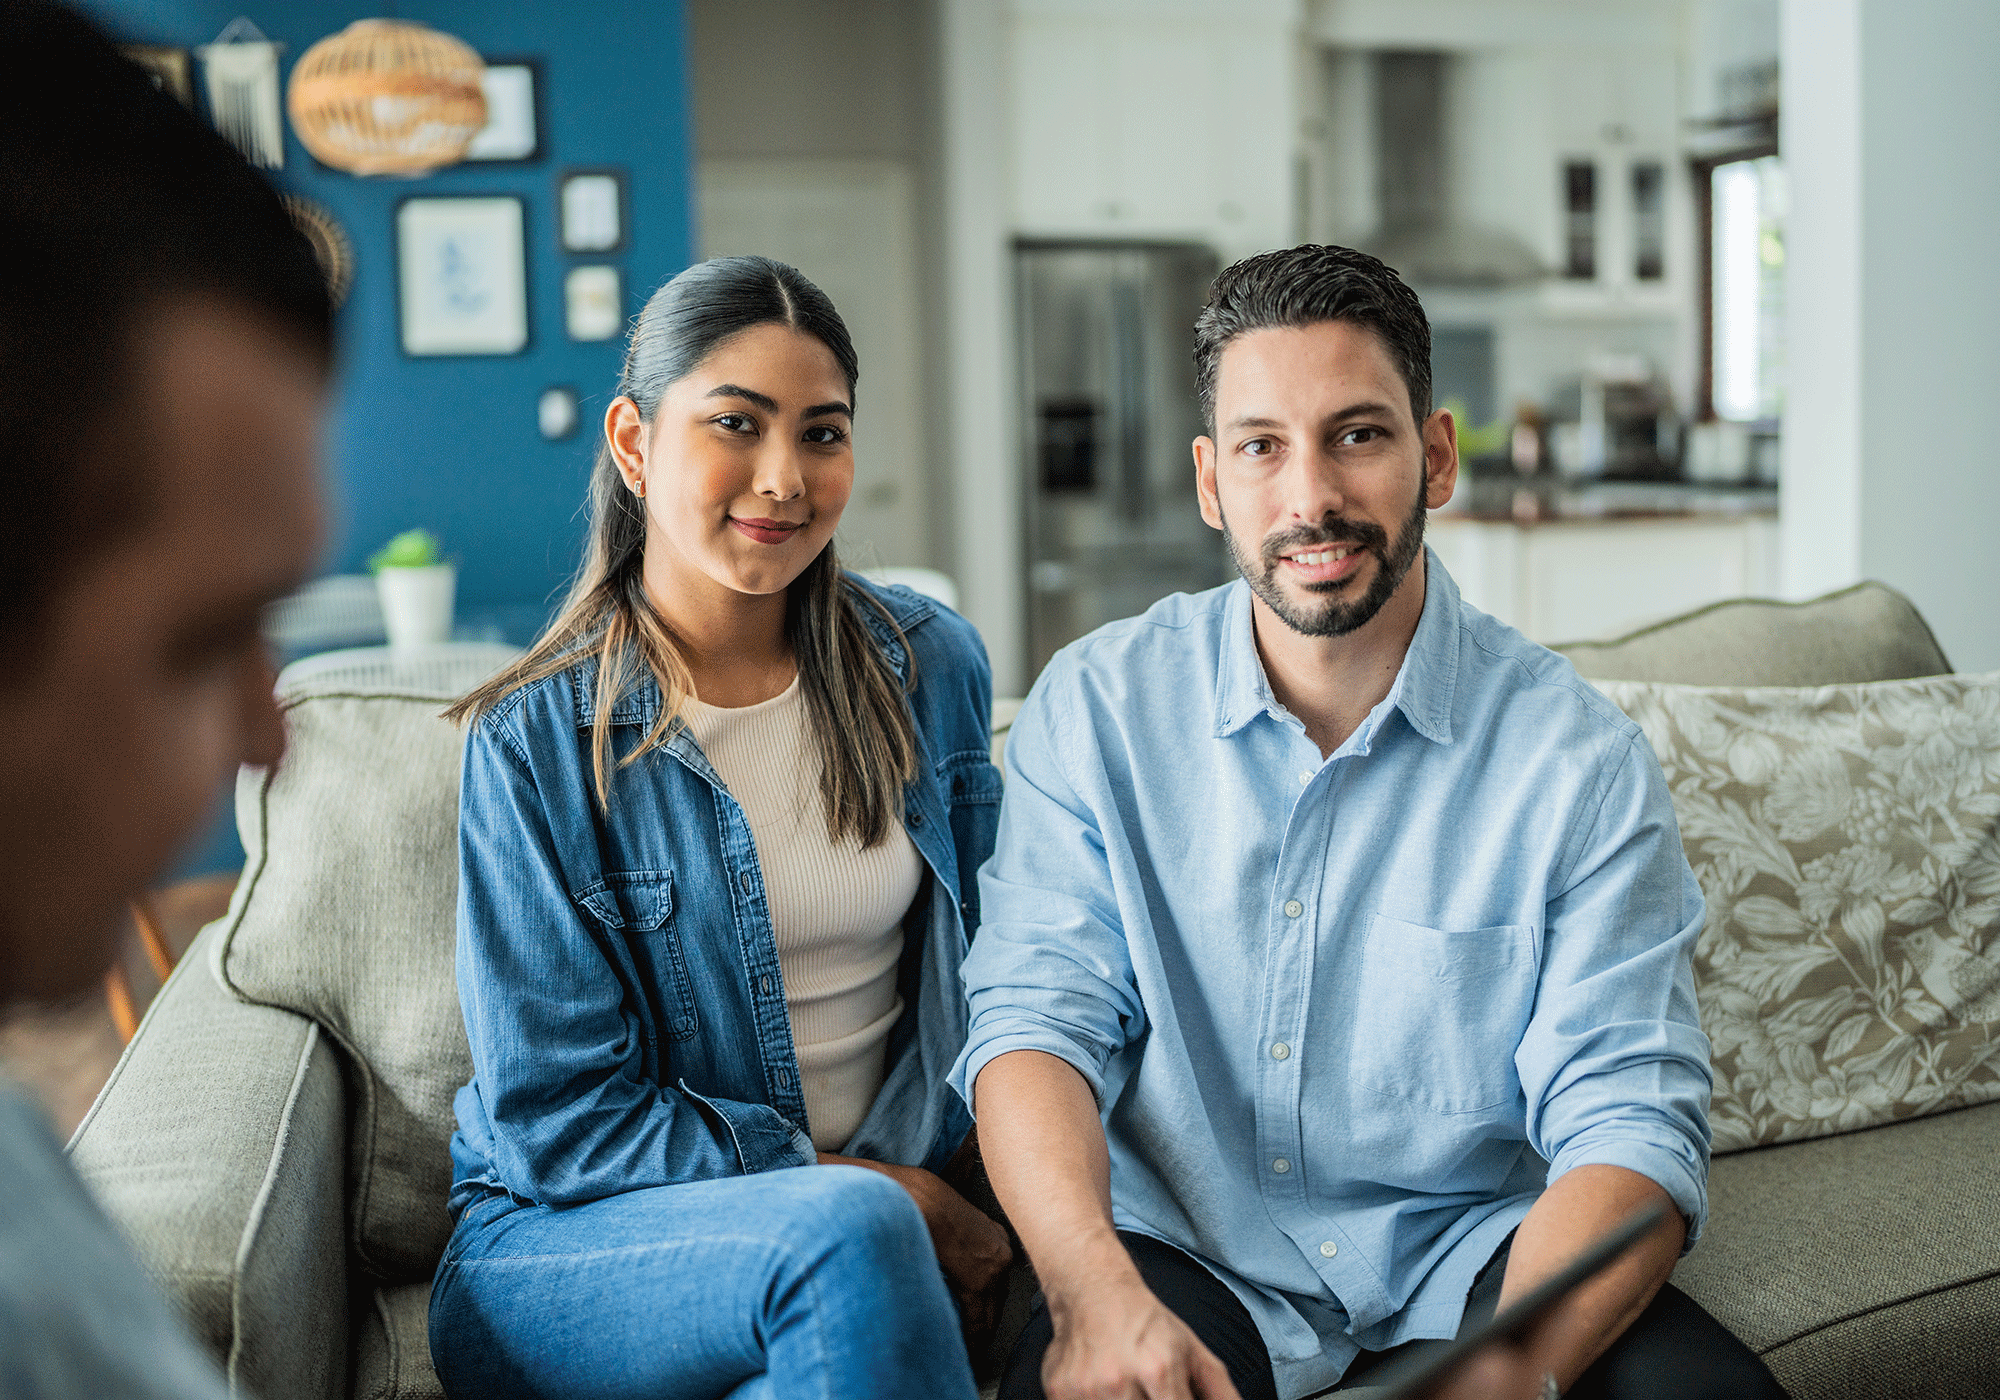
(1333, 987)
(165, 346)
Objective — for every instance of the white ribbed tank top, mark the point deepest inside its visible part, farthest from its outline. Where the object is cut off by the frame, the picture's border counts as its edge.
(836, 910)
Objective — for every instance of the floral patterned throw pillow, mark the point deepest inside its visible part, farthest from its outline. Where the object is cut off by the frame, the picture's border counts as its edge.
(1847, 839)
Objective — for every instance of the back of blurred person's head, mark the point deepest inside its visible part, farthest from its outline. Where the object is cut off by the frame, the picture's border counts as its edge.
(165, 340)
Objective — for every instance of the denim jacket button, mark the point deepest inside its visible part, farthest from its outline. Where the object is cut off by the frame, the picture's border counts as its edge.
(764, 985)
(916, 819)
(743, 880)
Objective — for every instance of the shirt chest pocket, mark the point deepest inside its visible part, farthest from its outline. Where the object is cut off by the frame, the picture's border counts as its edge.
(636, 909)
(1439, 1015)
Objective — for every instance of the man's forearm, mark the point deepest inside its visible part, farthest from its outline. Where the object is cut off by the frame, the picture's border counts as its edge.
(1045, 1154)
(1581, 1206)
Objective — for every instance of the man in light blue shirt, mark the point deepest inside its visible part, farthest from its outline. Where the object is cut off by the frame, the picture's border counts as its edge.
(1333, 984)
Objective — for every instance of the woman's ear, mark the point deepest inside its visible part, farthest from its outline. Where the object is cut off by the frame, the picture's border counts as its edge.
(625, 432)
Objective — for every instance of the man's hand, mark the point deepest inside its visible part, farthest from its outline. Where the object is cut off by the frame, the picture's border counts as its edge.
(971, 1246)
(1121, 1343)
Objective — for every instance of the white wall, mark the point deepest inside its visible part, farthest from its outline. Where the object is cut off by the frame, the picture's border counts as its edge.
(1893, 290)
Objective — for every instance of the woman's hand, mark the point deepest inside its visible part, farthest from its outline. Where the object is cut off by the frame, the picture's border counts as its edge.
(971, 1246)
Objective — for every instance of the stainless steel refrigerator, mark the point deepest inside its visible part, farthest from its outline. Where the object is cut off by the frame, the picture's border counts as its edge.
(1109, 414)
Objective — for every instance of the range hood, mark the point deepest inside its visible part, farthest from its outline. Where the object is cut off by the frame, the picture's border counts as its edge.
(1420, 235)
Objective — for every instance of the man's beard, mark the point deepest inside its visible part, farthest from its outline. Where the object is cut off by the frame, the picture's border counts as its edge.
(1332, 617)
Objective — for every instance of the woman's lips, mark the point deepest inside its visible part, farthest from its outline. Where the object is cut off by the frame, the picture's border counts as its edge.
(767, 531)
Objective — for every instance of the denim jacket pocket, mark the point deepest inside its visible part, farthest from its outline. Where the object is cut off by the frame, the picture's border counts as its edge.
(1445, 1013)
(638, 906)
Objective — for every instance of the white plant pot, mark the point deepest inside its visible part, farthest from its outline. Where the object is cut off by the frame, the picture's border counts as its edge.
(416, 604)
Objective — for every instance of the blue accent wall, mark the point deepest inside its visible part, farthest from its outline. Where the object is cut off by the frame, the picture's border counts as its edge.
(453, 444)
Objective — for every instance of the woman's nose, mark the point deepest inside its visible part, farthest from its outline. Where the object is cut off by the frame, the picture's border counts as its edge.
(778, 474)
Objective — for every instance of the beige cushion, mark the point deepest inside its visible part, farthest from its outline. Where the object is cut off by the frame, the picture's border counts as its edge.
(1869, 632)
(392, 1346)
(1847, 844)
(346, 916)
(216, 1147)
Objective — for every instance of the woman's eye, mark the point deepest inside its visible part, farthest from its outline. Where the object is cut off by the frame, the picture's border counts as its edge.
(734, 422)
(826, 434)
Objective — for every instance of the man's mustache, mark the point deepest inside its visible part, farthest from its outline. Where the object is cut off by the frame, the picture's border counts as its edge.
(1335, 531)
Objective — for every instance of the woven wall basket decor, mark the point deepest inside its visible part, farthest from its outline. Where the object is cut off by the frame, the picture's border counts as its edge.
(387, 97)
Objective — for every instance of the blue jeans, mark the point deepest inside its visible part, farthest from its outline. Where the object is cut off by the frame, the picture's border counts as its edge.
(806, 1283)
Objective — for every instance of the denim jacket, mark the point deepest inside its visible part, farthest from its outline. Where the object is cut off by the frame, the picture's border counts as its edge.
(618, 971)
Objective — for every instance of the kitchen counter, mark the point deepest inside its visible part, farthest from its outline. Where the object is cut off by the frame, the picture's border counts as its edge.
(1517, 500)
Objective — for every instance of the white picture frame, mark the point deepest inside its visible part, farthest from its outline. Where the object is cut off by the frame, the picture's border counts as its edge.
(591, 211)
(513, 113)
(462, 275)
(594, 302)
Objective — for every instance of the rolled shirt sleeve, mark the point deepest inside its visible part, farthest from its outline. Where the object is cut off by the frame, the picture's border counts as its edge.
(1614, 1065)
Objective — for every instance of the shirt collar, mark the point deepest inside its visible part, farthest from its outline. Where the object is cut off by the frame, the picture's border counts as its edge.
(1424, 684)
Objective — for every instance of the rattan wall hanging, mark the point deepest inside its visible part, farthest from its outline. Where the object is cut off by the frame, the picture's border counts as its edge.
(387, 97)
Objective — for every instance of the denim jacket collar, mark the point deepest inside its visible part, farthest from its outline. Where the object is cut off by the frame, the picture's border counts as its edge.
(1424, 682)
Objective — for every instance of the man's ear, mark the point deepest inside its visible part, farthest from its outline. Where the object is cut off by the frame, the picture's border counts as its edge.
(1440, 458)
(1204, 482)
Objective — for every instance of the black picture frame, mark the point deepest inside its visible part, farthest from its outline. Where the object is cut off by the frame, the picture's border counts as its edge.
(536, 110)
(572, 240)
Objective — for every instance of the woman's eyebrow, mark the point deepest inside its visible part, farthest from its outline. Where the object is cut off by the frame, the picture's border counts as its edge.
(770, 405)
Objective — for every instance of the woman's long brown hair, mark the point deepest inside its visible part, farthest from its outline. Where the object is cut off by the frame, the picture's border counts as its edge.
(856, 706)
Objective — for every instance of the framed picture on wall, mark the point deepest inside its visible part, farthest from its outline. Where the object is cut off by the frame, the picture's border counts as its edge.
(462, 275)
(591, 210)
(513, 130)
(594, 302)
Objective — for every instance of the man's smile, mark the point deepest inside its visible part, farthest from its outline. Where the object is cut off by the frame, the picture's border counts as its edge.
(1324, 563)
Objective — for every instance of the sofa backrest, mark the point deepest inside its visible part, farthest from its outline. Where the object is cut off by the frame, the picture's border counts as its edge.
(345, 914)
(1869, 632)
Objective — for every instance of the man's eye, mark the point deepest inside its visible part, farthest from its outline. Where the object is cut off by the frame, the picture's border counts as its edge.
(1258, 447)
(1354, 437)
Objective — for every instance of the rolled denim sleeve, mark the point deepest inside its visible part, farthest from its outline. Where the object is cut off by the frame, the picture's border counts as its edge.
(1051, 969)
(562, 1107)
(1614, 1063)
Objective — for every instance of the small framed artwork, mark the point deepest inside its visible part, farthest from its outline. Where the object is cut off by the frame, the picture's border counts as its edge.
(462, 275)
(171, 69)
(594, 302)
(592, 211)
(513, 130)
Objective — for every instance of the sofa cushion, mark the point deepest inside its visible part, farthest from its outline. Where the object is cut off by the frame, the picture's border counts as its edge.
(1866, 1264)
(346, 916)
(1847, 839)
(1869, 632)
(392, 1346)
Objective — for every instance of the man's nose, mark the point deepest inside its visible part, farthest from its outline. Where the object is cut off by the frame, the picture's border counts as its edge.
(263, 724)
(1312, 486)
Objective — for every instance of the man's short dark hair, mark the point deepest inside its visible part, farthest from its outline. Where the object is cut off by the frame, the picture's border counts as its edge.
(113, 198)
(1304, 286)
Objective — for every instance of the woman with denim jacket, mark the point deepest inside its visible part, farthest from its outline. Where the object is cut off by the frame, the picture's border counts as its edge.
(717, 838)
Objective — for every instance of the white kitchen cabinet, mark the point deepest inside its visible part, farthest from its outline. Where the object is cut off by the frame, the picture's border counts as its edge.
(1572, 580)
(1131, 120)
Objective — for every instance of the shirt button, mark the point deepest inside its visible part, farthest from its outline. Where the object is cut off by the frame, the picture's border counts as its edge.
(1328, 1249)
(1292, 907)
(1281, 1165)
(1281, 1051)
(1305, 778)
(743, 880)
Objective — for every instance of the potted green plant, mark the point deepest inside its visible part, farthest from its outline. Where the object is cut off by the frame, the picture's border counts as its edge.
(416, 584)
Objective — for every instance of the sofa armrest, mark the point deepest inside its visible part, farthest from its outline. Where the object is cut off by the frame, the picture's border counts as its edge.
(217, 1146)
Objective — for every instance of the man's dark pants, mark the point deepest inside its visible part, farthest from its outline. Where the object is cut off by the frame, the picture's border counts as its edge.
(1674, 1349)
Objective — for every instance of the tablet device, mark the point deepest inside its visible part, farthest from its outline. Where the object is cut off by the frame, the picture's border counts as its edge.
(1423, 1369)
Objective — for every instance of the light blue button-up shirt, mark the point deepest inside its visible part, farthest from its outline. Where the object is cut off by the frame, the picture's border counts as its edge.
(1345, 1016)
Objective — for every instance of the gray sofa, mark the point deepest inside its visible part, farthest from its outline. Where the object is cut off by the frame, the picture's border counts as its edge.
(273, 1141)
